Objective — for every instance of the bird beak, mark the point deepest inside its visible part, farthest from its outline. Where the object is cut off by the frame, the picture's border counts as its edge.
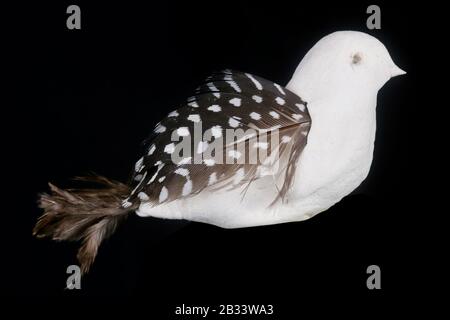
(396, 71)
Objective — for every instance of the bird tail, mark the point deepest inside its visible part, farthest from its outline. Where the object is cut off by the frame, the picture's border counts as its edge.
(89, 215)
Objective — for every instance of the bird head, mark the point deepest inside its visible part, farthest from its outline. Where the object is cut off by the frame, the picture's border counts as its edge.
(343, 61)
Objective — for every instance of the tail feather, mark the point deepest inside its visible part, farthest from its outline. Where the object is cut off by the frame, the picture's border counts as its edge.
(89, 215)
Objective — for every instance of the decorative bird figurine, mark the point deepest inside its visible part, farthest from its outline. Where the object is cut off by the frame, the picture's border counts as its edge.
(244, 151)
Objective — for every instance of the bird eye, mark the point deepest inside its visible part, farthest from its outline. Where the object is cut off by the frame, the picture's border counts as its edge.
(356, 58)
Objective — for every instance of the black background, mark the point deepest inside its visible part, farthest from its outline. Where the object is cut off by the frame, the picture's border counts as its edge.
(82, 100)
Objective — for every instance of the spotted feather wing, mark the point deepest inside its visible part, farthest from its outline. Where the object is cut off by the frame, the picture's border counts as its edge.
(268, 117)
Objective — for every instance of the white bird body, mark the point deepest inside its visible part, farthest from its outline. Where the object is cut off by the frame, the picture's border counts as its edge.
(335, 161)
(337, 158)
